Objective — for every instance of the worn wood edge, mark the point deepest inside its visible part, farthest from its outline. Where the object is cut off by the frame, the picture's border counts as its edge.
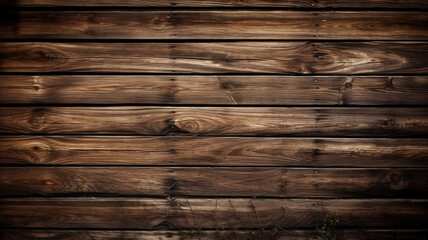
(179, 213)
(258, 57)
(212, 151)
(422, 4)
(214, 90)
(217, 121)
(214, 182)
(246, 25)
(290, 234)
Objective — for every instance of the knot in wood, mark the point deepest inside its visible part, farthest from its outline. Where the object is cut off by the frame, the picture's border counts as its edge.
(348, 85)
(189, 125)
(39, 112)
(396, 181)
(38, 117)
(39, 152)
(395, 178)
(315, 152)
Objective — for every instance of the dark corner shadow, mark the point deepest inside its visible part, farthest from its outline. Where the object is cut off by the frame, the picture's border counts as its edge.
(8, 3)
(9, 25)
(9, 14)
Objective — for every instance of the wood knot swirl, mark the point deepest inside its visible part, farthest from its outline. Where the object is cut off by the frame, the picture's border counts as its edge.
(44, 54)
(315, 152)
(396, 181)
(161, 20)
(38, 152)
(191, 126)
(348, 85)
(388, 123)
(38, 117)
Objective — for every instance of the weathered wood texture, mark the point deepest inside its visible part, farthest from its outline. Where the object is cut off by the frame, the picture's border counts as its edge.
(245, 121)
(216, 25)
(222, 3)
(146, 213)
(209, 151)
(212, 182)
(218, 57)
(220, 89)
(362, 234)
(150, 119)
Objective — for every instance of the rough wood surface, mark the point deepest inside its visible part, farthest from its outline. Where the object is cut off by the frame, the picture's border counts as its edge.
(213, 151)
(212, 182)
(223, 3)
(190, 119)
(137, 213)
(220, 89)
(362, 234)
(218, 57)
(216, 121)
(216, 25)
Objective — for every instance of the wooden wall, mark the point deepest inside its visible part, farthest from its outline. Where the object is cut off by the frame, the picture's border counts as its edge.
(213, 119)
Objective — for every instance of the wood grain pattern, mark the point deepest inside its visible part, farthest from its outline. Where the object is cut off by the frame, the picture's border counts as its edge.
(365, 234)
(218, 57)
(223, 3)
(213, 151)
(220, 89)
(213, 119)
(216, 25)
(137, 213)
(210, 182)
(216, 121)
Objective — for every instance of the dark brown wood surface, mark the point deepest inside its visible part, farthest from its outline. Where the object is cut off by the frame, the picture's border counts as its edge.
(216, 25)
(218, 57)
(216, 121)
(223, 3)
(213, 182)
(213, 151)
(220, 89)
(213, 119)
(408, 234)
(148, 213)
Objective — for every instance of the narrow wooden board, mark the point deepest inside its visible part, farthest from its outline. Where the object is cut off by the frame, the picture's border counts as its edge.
(221, 182)
(339, 25)
(146, 213)
(220, 89)
(213, 151)
(216, 121)
(383, 234)
(421, 4)
(218, 57)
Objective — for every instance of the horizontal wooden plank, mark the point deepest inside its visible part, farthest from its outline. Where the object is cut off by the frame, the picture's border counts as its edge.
(230, 121)
(383, 234)
(218, 57)
(222, 3)
(220, 182)
(146, 213)
(207, 90)
(214, 151)
(215, 25)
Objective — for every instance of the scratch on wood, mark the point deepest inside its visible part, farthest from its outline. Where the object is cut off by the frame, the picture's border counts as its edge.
(231, 98)
(389, 85)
